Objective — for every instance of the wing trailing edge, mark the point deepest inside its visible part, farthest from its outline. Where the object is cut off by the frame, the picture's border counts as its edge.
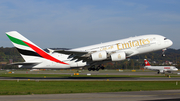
(68, 52)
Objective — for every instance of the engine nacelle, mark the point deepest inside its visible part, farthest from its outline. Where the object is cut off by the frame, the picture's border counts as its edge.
(98, 56)
(118, 56)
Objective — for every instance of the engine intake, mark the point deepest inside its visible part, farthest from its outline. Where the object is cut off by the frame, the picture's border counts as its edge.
(118, 56)
(98, 56)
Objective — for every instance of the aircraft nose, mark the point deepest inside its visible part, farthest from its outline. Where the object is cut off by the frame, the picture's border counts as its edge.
(170, 42)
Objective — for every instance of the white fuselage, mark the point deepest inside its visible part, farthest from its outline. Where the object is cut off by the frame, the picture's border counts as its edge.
(162, 69)
(131, 46)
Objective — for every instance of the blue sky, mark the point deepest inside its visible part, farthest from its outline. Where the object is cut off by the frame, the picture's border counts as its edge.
(77, 23)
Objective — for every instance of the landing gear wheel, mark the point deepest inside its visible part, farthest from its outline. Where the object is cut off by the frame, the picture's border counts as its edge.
(89, 69)
(92, 68)
(96, 69)
(102, 67)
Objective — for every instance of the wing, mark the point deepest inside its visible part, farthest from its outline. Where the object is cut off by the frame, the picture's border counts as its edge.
(85, 55)
(68, 52)
(75, 55)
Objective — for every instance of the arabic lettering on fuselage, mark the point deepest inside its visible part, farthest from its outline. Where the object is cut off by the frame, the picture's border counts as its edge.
(128, 44)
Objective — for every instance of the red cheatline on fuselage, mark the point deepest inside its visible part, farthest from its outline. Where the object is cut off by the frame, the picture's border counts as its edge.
(44, 54)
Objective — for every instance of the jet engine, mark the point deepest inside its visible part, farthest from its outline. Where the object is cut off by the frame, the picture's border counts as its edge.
(118, 56)
(98, 56)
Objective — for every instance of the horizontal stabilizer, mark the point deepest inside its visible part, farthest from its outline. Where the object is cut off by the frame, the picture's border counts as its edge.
(25, 63)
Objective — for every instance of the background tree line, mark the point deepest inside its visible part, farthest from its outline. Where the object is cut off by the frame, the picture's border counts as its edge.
(135, 62)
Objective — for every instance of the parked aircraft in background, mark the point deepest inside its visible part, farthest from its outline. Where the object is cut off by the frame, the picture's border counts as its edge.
(160, 69)
(93, 56)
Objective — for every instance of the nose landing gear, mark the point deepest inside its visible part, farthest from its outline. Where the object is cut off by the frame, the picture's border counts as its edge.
(163, 52)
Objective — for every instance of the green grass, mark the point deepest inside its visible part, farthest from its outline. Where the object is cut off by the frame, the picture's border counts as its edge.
(60, 87)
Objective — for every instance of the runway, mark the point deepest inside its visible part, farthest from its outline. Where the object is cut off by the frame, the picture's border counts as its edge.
(94, 78)
(163, 95)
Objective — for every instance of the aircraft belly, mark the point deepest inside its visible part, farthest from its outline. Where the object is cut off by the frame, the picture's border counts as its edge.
(78, 64)
(73, 65)
(51, 65)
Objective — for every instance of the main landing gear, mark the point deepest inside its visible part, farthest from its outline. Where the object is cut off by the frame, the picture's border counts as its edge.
(93, 68)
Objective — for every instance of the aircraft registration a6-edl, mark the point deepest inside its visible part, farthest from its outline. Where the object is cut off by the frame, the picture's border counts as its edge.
(93, 56)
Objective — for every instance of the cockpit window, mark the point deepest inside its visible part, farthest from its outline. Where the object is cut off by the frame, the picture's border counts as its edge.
(165, 38)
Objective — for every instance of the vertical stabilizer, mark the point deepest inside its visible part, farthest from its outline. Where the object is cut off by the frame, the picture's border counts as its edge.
(24, 46)
(28, 50)
(146, 63)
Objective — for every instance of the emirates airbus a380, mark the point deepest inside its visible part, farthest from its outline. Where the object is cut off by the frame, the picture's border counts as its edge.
(93, 56)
